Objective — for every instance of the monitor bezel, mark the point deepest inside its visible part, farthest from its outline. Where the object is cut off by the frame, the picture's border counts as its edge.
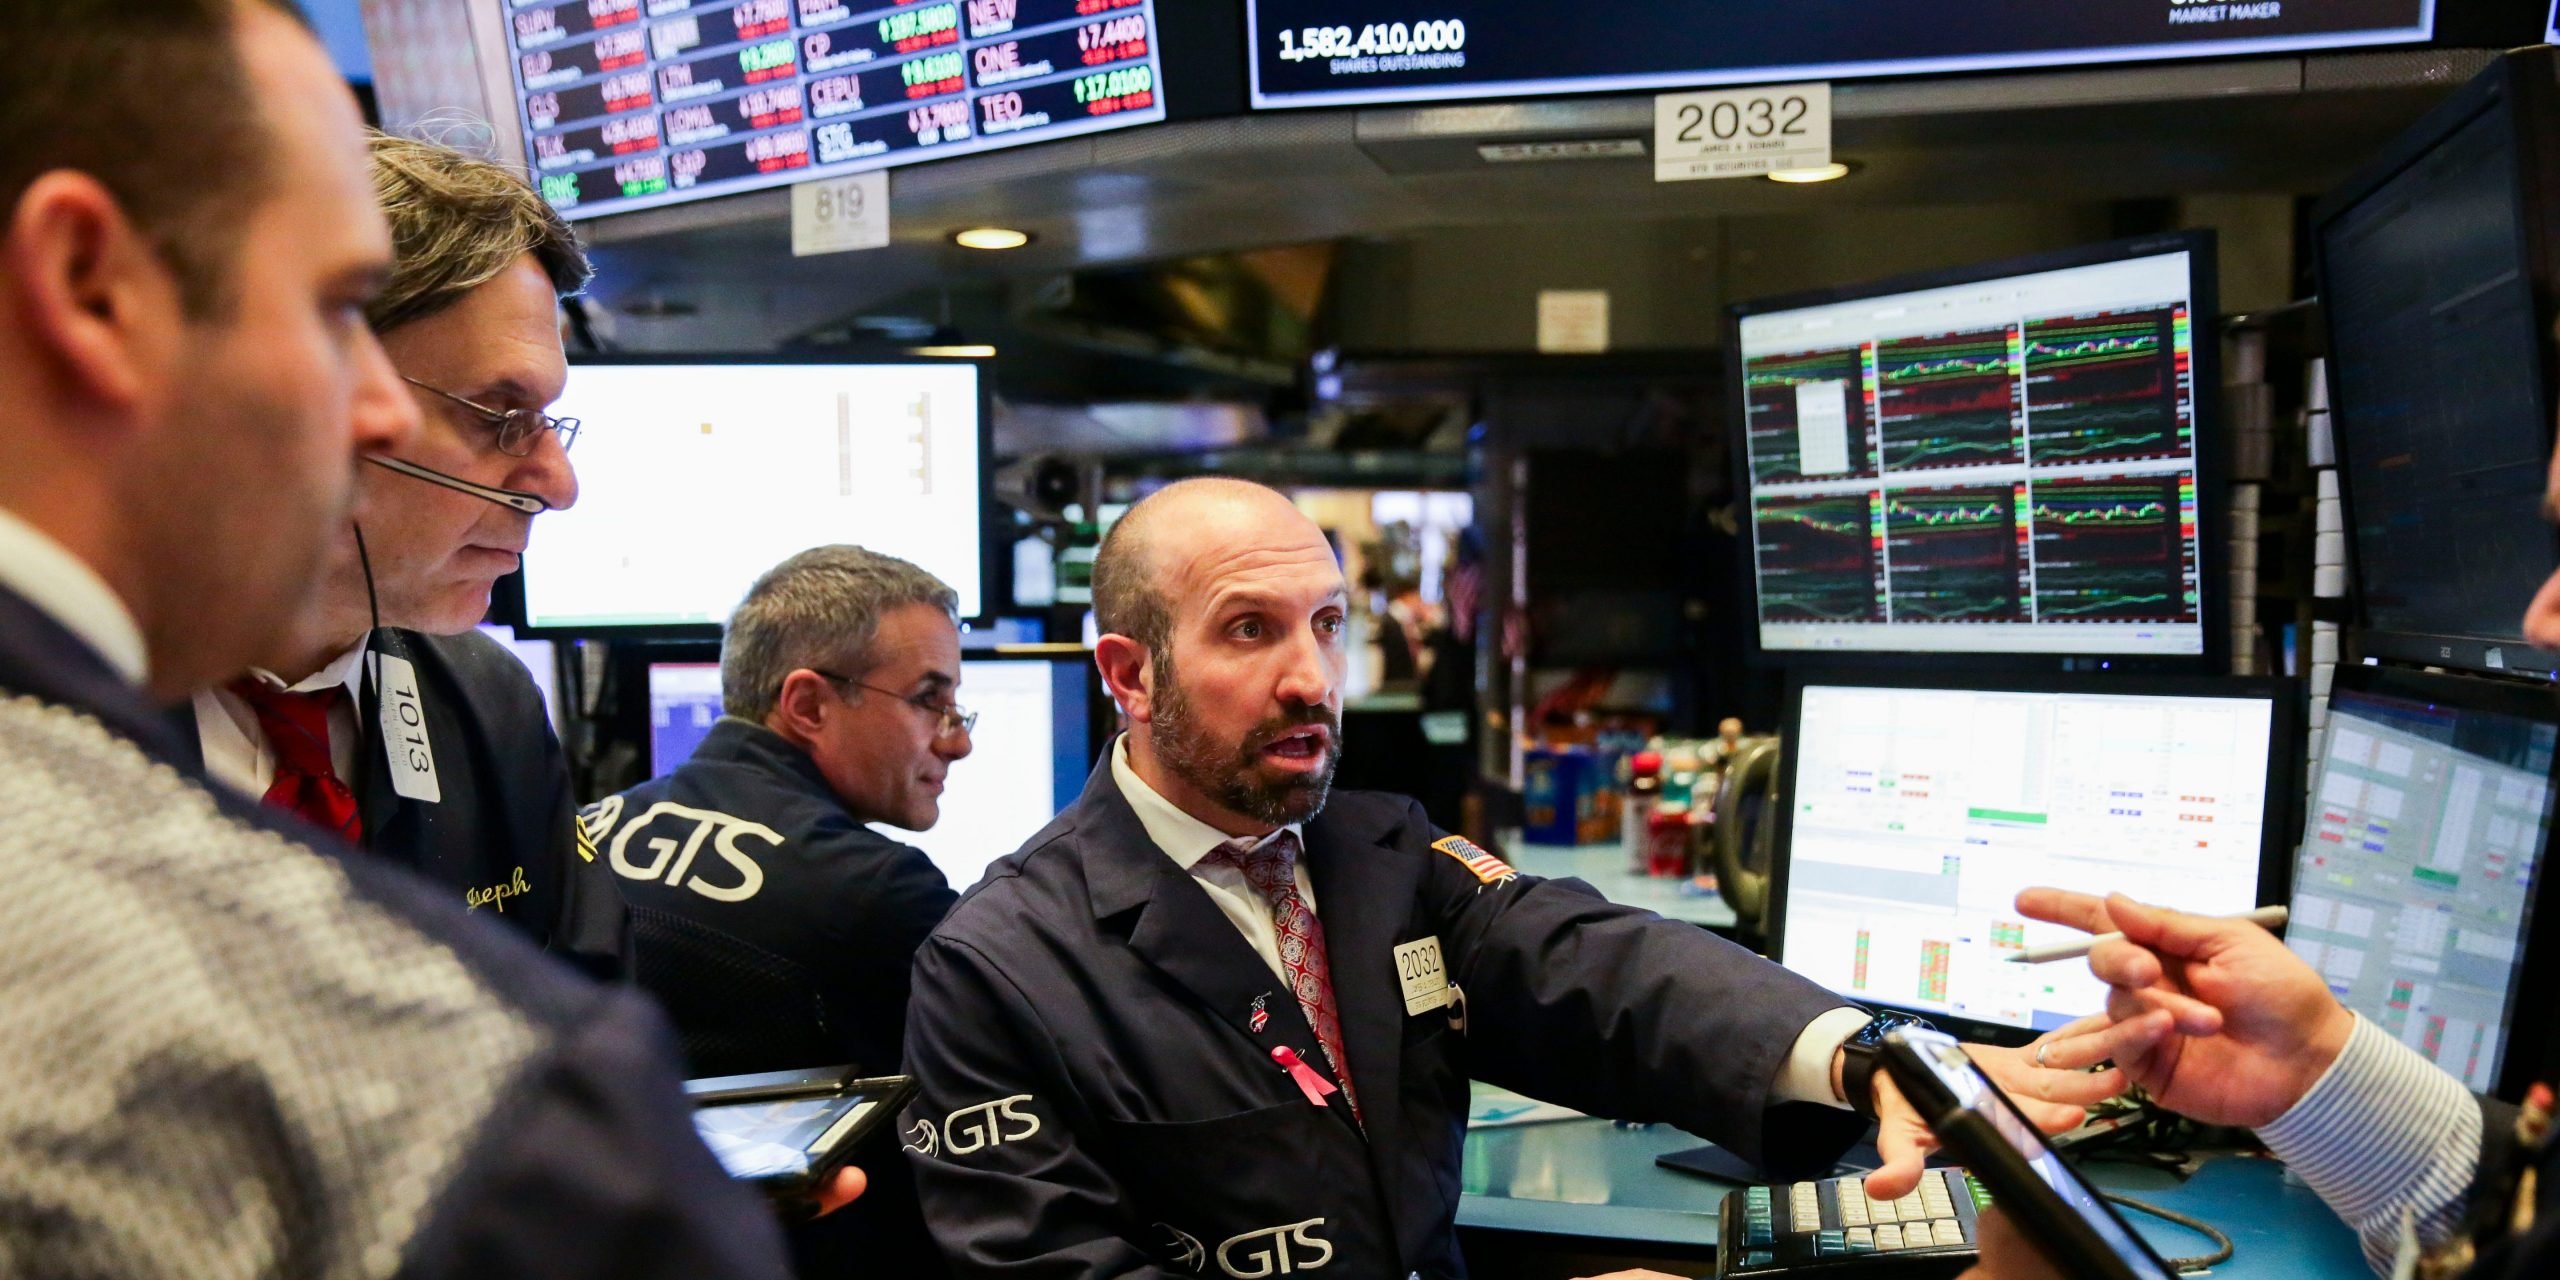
(2280, 819)
(2212, 447)
(2537, 975)
(508, 604)
(2506, 86)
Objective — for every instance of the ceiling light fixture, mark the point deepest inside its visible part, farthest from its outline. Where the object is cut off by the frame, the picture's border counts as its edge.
(956, 351)
(990, 238)
(1826, 173)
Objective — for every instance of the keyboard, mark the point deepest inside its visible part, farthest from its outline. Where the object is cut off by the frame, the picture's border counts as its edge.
(1832, 1226)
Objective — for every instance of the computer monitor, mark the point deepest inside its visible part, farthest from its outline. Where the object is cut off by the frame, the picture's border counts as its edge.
(2438, 274)
(541, 661)
(1037, 737)
(1042, 722)
(2016, 458)
(697, 475)
(2415, 888)
(684, 700)
(1916, 809)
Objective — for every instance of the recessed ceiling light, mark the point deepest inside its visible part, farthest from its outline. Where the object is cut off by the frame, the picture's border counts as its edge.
(957, 351)
(1826, 173)
(990, 238)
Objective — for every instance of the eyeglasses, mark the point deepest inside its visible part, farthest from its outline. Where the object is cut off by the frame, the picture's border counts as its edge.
(954, 721)
(517, 428)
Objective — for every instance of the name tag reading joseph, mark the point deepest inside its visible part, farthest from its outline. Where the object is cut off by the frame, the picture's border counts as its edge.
(1425, 979)
(404, 730)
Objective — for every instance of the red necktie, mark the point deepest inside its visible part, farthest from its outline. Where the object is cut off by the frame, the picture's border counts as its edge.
(1269, 868)
(297, 729)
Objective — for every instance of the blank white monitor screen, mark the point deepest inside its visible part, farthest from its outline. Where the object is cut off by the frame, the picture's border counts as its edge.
(2002, 466)
(693, 479)
(2414, 886)
(1920, 813)
(1028, 759)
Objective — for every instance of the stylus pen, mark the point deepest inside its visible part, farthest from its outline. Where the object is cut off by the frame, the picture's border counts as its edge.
(2271, 917)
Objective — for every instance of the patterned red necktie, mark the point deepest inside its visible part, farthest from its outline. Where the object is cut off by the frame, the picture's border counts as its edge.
(297, 729)
(1269, 867)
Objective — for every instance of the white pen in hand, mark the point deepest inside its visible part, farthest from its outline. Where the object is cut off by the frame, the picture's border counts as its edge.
(2270, 917)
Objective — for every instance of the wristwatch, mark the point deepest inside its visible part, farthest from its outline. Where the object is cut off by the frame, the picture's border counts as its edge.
(1862, 1056)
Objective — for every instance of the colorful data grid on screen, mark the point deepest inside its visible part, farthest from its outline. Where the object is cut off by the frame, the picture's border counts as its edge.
(1920, 814)
(2000, 466)
(631, 103)
(2416, 876)
(1309, 53)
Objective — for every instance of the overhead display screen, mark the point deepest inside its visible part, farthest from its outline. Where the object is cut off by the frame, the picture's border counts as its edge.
(626, 104)
(2002, 466)
(1313, 53)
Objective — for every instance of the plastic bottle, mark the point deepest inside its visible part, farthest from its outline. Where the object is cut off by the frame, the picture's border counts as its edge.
(1644, 791)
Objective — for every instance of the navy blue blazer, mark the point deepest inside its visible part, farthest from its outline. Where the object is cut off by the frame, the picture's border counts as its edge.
(1094, 1044)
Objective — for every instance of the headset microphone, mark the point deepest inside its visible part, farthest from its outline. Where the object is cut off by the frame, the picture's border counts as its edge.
(529, 503)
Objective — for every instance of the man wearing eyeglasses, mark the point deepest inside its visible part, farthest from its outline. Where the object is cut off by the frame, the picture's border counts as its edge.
(387, 718)
(772, 922)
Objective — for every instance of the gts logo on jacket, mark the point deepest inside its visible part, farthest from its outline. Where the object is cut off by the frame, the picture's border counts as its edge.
(676, 836)
(974, 1128)
(1275, 1251)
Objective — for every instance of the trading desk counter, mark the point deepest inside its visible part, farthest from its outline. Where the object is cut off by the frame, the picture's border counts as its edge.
(1605, 867)
(1586, 1193)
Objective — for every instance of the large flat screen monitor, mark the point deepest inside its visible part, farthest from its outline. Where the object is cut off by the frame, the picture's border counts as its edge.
(627, 104)
(695, 477)
(1314, 53)
(1916, 810)
(2421, 859)
(1041, 725)
(1042, 722)
(2437, 278)
(2010, 459)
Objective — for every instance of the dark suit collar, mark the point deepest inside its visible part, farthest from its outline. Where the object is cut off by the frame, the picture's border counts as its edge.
(734, 739)
(1364, 892)
(41, 657)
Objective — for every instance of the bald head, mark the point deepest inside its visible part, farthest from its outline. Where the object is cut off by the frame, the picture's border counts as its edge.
(1223, 610)
(1185, 518)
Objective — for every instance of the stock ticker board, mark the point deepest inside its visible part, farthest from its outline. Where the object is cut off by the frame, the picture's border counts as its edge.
(628, 104)
(1309, 53)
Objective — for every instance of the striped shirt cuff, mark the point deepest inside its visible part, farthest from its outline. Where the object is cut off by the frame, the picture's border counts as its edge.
(2383, 1134)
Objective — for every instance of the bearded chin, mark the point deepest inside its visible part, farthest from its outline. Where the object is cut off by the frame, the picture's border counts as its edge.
(1231, 775)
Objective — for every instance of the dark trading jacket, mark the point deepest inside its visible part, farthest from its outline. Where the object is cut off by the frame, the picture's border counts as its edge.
(327, 1064)
(788, 870)
(503, 835)
(1093, 1040)
(778, 863)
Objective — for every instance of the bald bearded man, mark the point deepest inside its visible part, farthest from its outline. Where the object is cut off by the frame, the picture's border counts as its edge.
(1217, 1013)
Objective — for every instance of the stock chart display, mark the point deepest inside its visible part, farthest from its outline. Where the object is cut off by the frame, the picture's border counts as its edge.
(1310, 53)
(2005, 465)
(632, 103)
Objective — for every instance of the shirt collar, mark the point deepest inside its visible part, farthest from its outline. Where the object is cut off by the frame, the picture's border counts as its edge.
(66, 589)
(345, 671)
(1184, 838)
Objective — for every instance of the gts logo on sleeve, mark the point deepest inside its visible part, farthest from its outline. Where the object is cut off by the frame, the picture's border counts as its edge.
(676, 835)
(974, 1128)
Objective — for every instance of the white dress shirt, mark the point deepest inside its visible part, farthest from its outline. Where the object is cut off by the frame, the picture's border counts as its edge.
(64, 588)
(236, 748)
(1805, 1076)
